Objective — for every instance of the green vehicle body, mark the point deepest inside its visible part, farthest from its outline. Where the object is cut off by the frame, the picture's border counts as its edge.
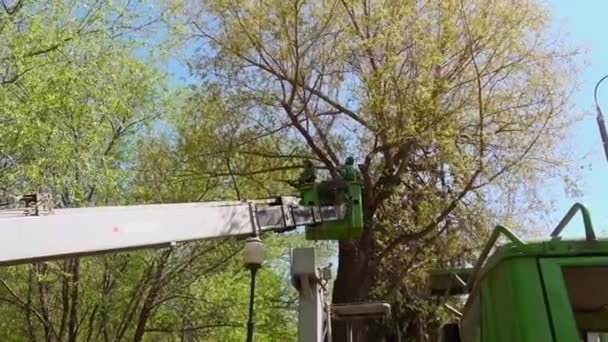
(335, 193)
(552, 290)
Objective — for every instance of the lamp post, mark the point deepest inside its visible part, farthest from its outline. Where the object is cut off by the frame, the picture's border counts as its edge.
(254, 254)
(600, 118)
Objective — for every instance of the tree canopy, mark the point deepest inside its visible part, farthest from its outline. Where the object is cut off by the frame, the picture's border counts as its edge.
(446, 104)
(453, 110)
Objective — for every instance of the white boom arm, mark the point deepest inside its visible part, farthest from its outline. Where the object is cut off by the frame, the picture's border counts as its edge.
(86, 231)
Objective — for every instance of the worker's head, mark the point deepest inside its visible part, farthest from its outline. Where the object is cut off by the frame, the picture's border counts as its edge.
(350, 161)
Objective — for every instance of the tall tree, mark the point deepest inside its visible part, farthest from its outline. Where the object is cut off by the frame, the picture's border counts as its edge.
(447, 105)
(72, 96)
(71, 87)
(76, 101)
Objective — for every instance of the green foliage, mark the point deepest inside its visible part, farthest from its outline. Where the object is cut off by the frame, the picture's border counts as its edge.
(76, 102)
(453, 108)
(84, 97)
(453, 127)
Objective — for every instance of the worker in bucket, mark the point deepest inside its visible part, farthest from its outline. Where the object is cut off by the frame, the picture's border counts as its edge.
(307, 176)
(348, 171)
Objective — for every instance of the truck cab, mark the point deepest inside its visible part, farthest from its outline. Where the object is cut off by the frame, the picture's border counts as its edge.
(550, 290)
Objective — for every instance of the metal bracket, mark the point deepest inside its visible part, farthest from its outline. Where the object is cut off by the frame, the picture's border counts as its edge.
(253, 215)
(36, 204)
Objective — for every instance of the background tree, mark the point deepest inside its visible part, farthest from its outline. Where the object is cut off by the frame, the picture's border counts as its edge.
(448, 105)
(78, 97)
(453, 127)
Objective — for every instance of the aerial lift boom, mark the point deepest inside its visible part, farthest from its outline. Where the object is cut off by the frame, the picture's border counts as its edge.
(41, 234)
(32, 231)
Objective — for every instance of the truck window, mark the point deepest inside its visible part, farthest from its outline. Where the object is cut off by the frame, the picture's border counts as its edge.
(587, 288)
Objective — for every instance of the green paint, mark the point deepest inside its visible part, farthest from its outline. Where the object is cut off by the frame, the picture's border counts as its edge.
(511, 284)
(519, 293)
(513, 306)
(335, 193)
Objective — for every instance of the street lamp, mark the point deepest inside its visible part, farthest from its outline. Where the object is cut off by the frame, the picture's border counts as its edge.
(254, 254)
(600, 118)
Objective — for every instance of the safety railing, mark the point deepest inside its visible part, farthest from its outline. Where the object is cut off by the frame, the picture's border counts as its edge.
(502, 230)
(27, 205)
(498, 231)
(589, 232)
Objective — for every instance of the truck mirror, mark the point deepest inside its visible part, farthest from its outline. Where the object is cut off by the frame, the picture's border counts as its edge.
(450, 333)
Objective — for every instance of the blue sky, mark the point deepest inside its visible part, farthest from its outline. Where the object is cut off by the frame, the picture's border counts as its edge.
(585, 23)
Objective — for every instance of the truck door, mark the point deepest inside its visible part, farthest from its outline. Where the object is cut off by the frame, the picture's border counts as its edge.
(576, 290)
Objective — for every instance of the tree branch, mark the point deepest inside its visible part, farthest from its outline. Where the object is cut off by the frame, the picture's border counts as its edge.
(480, 103)
(196, 328)
(432, 225)
(23, 304)
(284, 77)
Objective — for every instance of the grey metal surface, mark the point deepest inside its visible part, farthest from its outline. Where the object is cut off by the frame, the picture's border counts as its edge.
(305, 279)
(360, 311)
(85, 231)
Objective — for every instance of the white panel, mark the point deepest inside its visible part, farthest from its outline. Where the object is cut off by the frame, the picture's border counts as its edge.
(93, 230)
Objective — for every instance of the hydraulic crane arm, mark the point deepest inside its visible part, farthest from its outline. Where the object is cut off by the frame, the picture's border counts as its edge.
(85, 231)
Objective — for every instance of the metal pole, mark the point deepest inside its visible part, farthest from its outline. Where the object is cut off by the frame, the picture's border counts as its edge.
(250, 323)
(305, 278)
(328, 322)
(600, 118)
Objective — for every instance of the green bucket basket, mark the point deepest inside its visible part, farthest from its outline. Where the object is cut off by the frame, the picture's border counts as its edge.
(325, 194)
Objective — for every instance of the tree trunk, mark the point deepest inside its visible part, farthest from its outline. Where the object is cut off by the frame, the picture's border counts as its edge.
(65, 299)
(28, 313)
(150, 299)
(75, 301)
(146, 312)
(45, 310)
(353, 282)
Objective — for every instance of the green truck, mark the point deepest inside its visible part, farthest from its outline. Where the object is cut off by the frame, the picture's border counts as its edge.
(536, 291)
